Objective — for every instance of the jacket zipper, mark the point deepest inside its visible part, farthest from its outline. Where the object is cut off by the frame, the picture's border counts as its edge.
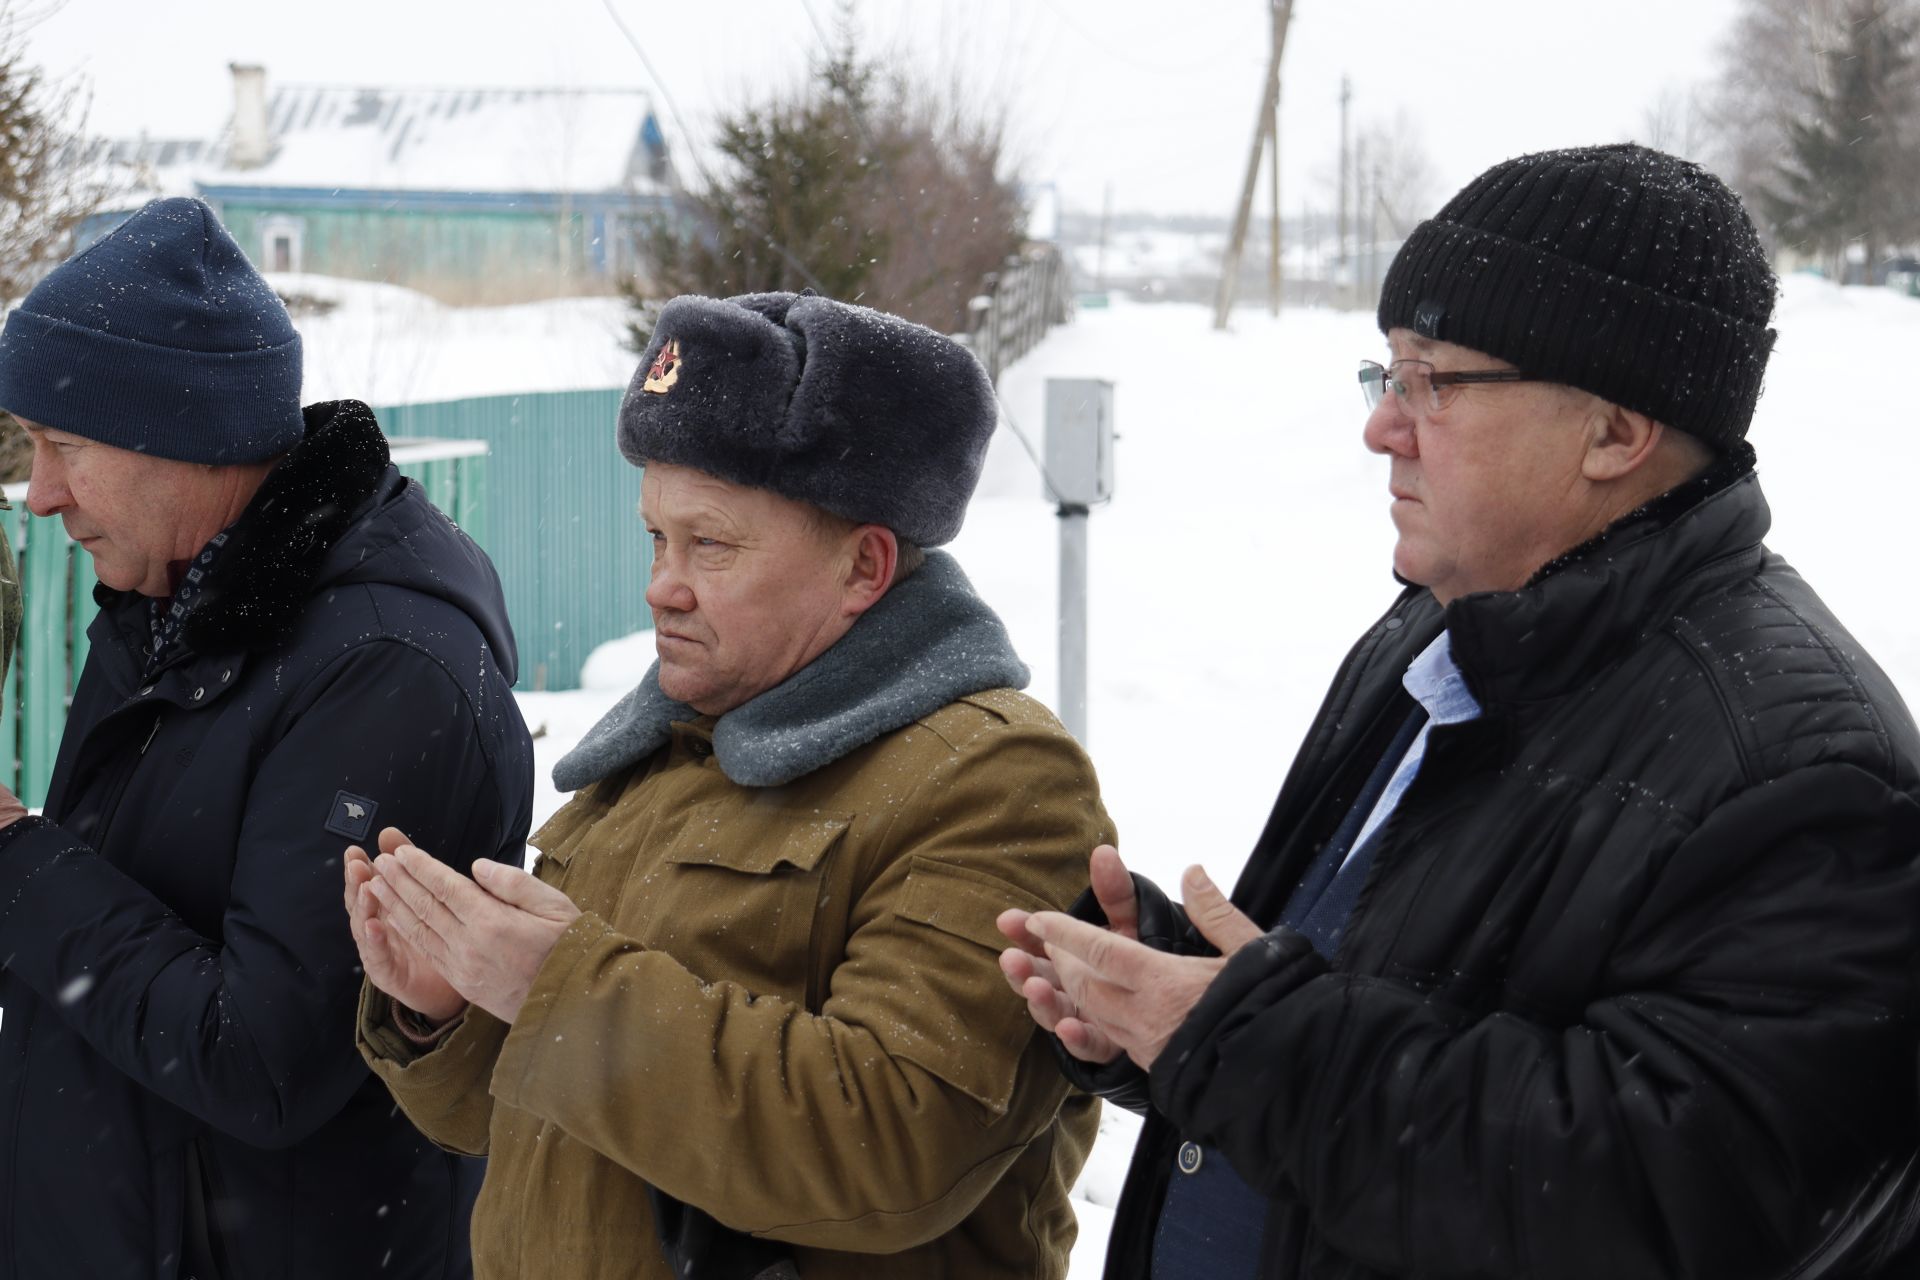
(111, 809)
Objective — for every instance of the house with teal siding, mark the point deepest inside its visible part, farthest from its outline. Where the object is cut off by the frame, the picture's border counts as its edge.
(470, 195)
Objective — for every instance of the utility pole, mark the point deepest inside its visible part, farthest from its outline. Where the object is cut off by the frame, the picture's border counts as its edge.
(1362, 247)
(1282, 13)
(1340, 253)
(1100, 261)
(1273, 235)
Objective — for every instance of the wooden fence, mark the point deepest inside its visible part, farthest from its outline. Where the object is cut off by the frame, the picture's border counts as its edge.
(1017, 305)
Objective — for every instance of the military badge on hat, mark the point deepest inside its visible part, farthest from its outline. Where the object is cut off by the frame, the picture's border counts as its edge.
(665, 370)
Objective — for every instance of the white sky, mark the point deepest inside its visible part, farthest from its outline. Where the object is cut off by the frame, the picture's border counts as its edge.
(1155, 98)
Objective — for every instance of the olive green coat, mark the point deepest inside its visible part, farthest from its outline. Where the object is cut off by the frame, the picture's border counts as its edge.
(783, 1006)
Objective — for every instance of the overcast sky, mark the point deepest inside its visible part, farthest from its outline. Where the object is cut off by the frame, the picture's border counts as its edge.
(1155, 98)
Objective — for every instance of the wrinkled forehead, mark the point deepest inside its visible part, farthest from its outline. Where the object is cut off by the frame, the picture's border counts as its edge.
(1405, 344)
(671, 491)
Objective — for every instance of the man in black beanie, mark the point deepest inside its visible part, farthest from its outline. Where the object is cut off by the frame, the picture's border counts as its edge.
(1581, 941)
(292, 644)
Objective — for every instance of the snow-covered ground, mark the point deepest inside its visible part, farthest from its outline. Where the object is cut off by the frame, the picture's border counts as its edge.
(1248, 544)
(388, 345)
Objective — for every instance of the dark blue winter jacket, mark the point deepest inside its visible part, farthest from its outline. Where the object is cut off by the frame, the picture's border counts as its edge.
(179, 1090)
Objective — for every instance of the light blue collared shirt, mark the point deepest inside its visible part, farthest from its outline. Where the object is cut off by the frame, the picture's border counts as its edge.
(1436, 684)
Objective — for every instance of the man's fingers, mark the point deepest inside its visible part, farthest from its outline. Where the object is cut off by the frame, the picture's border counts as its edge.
(1020, 965)
(462, 898)
(396, 916)
(1012, 924)
(1086, 1041)
(1219, 921)
(354, 871)
(1113, 889)
(1115, 959)
(391, 838)
(529, 893)
(430, 908)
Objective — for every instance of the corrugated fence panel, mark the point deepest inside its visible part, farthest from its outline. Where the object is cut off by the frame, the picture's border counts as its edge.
(560, 519)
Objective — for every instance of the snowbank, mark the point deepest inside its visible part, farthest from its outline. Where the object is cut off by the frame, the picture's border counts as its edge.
(388, 345)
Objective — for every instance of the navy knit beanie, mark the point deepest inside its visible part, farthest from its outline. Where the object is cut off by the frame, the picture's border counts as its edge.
(1619, 270)
(158, 337)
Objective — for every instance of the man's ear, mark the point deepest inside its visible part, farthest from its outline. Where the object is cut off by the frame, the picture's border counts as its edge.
(875, 552)
(1620, 442)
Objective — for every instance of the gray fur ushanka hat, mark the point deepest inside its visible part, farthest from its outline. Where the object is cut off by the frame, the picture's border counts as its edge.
(868, 416)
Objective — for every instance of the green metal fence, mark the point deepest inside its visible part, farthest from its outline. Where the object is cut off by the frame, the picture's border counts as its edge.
(561, 520)
(56, 576)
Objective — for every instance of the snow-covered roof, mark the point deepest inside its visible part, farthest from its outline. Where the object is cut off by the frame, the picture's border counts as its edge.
(556, 140)
(561, 141)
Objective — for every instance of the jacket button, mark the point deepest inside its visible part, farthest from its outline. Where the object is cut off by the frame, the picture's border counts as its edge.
(1189, 1157)
(1392, 624)
(199, 693)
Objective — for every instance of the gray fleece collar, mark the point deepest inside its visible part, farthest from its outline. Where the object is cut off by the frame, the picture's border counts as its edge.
(929, 641)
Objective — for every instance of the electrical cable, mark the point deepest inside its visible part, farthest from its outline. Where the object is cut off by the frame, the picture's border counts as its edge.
(680, 123)
(1053, 490)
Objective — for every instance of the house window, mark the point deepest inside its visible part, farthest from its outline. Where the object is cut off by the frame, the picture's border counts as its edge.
(281, 237)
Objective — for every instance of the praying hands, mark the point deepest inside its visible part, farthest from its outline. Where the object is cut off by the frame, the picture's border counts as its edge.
(437, 941)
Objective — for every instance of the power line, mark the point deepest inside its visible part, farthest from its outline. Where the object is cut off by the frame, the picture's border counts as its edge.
(666, 95)
(826, 45)
(686, 134)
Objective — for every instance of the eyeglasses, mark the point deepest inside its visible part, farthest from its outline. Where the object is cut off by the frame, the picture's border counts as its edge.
(1418, 383)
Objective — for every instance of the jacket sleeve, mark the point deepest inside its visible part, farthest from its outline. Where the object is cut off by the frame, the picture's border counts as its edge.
(441, 1087)
(251, 1031)
(1727, 1109)
(880, 1122)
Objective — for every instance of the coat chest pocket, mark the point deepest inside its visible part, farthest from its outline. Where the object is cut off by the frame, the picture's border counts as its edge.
(735, 897)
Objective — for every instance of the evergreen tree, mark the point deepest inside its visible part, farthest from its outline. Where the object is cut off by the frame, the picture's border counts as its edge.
(1848, 173)
(861, 187)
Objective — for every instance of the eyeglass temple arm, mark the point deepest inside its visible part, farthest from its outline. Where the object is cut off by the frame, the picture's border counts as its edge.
(1479, 375)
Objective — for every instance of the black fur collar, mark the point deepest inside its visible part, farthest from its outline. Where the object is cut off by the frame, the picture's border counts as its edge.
(265, 575)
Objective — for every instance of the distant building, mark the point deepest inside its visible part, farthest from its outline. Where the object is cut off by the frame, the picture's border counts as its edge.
(472, 195)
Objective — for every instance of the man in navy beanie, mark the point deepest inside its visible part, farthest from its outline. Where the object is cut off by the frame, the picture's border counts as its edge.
(1581, 941)
(292, 646)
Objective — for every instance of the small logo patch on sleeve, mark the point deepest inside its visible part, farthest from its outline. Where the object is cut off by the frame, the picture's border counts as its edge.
(351, 816)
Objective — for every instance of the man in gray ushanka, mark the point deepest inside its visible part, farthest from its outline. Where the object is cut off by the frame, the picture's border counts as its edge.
(746, 1017)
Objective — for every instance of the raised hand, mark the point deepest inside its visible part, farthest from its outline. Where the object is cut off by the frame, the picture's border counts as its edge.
(1032, 975)
(391, 962)
(1111, 994)
(486, 937)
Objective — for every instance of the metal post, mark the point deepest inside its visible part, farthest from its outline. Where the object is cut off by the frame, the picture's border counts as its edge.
(1078, 475)
(1073, 619)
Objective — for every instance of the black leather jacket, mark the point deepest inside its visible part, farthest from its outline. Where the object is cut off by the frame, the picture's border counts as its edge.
(1630, 990)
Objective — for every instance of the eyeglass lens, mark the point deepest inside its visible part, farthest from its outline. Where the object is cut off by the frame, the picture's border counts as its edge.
(1408, 378)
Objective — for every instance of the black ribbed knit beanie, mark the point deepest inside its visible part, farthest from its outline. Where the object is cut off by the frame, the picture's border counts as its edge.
(158, 337)
(1619, 270)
